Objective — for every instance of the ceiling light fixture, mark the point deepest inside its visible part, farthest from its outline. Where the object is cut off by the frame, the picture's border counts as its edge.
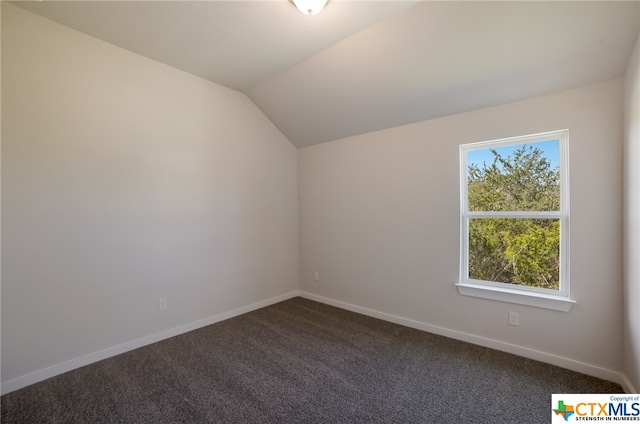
(309, 7)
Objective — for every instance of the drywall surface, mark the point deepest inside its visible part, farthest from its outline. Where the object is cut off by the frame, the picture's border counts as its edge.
(125, 181)
(632, 221)
(379, 223)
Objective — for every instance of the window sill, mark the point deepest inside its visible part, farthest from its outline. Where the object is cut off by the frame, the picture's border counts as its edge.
(545, 301)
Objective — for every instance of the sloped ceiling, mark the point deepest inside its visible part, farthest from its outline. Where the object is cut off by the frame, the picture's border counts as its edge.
(361, 66)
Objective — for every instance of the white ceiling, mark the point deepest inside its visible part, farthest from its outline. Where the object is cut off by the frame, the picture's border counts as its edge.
(361, 66)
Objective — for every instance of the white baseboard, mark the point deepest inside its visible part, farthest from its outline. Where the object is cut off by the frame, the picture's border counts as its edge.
(52, 371)
(626, 385)
(526, 352)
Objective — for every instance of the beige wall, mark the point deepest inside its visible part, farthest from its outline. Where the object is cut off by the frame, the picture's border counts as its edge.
(632, 221)
(379, 222)
(125, 181)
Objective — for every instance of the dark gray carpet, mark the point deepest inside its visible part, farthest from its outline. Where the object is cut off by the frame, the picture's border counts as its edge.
(302, 362)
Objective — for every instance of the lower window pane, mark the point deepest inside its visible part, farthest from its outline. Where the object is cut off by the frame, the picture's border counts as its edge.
(518, 251)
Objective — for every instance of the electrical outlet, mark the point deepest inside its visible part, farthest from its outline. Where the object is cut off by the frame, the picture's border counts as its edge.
(162, 304)
(514, 319)
(316, 276)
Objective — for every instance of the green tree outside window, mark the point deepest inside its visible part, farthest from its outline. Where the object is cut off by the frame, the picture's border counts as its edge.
(522, 251)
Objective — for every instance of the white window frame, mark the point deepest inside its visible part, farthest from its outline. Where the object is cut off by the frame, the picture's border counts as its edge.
(558, 300)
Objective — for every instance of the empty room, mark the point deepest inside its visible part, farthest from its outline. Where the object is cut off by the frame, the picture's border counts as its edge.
(320, 211)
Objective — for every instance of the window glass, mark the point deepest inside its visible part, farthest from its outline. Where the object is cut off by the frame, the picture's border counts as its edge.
(521, 177)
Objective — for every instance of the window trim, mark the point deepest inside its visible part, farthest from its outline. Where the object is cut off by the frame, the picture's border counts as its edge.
(558, 300)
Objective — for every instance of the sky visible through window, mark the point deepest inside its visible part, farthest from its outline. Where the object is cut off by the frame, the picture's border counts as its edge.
(550, 149)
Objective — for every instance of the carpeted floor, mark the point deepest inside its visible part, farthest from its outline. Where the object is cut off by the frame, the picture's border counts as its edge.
(300, 361)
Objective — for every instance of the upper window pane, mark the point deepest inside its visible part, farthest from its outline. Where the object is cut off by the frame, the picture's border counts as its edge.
(517, 177)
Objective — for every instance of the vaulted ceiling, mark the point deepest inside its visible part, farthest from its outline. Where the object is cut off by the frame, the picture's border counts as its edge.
(361, 66)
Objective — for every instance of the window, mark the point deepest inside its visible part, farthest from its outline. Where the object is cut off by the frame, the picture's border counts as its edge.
(514, 220)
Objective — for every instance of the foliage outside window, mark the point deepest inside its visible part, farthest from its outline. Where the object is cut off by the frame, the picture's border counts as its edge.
(514, 218)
